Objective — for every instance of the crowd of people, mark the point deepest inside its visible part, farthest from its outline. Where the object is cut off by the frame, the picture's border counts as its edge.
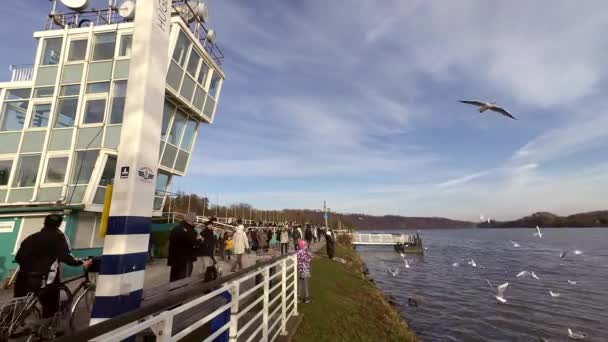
(188, 244)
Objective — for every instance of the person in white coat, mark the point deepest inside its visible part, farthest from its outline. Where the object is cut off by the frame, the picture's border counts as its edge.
(239, 245)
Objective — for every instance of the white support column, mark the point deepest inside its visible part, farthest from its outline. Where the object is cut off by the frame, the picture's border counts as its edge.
(121, 278)
(294, 259)
(164, 329)
(234, 310)
(284, 297)
(266, 308)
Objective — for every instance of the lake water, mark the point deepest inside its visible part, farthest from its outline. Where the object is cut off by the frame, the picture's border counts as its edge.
(457, 304)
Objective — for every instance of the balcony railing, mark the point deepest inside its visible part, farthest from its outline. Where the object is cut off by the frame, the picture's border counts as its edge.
(22, 72)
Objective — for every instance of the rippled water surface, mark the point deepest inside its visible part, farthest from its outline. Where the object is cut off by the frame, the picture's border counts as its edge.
(457, 304)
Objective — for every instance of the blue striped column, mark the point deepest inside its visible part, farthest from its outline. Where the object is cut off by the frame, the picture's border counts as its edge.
(121, 278)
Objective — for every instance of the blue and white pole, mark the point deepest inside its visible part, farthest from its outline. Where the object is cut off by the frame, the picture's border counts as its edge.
(121, 278)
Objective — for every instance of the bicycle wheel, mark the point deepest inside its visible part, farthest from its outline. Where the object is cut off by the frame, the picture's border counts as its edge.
(82, 306)
(26, 323)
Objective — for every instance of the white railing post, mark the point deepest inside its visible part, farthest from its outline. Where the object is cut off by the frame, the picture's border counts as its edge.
(234, 310)
(294, 260)
(284, 297)
(266, 308)
(164, 329)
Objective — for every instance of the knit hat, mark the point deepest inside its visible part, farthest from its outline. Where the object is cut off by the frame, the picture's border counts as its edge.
(190, 218)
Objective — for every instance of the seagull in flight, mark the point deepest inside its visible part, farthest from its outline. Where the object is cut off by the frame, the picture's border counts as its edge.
(538, 233)
(571, 282)
(394, 271)
(500, 293)
(406, 262)
(483, 106)
(524, 273)
(515, 244)
(575, 335)
(472, 263)
(455, 264)
(554, 294)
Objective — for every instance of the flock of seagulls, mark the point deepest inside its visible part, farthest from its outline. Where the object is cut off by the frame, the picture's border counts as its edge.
(501, 289)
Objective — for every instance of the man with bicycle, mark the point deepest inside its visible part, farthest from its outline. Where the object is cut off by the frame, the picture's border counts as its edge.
(39, 256)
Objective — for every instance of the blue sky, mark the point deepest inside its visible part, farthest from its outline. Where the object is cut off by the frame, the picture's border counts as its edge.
(356, 102)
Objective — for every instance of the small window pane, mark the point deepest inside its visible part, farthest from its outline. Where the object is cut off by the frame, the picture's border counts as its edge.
(193, 63)
(5, 171)
(118, 102)
(95, 88)
(55, 169)
(107, 177)
(13, 115)
(84, 164)
(188, 135)
(18, 94)
(167, 113)
(27, 171)
(162, 180)
(202, 74)
(104, 46)
(70, 90)
(213, 87)
(94, 110)
(51, 51)
(78, 50)
(40, 115)
(66, 112)
(181, 48)
(177, 127)
(44, 92)
(125, 45)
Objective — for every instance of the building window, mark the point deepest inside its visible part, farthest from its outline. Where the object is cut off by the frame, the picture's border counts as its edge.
(118, 102)
(177, 127)
(5, 171)
(66, 112)
(27, 171)
(55, 169)
(18, 94)
(40, 115)
(43, 92)
(70, 90)
(84, 165)
(104, 46)
(202, 74)
(167, 113)
(107, 176)
(181, 49)
(98, 88)
(193, 63)
(77, 50)
(125, 45)
(94, 111)
(214, 86)
(186, 143)
(51, 51)
(13, 115)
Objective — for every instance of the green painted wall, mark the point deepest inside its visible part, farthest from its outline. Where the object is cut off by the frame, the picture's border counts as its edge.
(7, 243)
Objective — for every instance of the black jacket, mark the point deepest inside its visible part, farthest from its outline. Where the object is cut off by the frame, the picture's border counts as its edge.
(39, 251)
(308, 235)
(208, 245)
(182, 243)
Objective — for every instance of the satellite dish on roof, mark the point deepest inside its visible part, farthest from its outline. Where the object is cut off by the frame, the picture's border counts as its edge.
(127, 9)
(76, 5)
(210, 36)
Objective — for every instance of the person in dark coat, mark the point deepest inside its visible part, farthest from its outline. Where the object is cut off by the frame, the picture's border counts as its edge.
(308, 235)
(207, 246)
(39, 256)
(182, 243)
(330, 243)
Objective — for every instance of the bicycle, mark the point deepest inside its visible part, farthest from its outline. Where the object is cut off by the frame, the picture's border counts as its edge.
(27, 320)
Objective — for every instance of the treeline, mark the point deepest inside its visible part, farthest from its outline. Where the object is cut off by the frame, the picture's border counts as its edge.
(201, 205)
(545, 219)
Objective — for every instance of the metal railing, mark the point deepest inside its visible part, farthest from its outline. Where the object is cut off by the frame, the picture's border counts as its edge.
(21, 72)
(260, 301)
